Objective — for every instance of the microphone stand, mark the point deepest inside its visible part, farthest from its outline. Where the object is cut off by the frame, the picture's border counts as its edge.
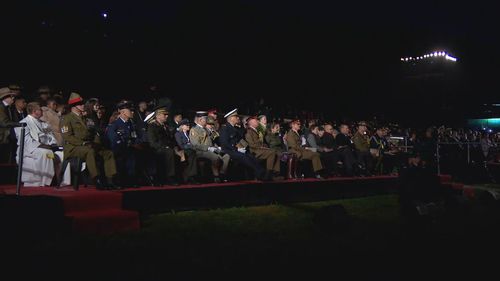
(21, 158)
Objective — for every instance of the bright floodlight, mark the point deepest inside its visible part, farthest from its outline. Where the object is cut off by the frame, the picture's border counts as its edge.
(448, 57)
(430, 55)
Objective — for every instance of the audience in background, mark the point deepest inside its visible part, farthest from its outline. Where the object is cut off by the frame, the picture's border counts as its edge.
(146, 145)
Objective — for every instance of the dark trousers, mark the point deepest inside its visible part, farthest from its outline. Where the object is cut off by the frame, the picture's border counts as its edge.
(347, 157)
(190, 169)
(365, 159)
(126, 164)
(329, 160)
(166, 165)
(248, 161)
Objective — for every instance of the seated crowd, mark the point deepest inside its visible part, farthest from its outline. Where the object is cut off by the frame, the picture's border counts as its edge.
(142, 145)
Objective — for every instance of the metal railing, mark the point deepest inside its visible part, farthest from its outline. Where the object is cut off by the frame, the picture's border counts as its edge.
(465, 147)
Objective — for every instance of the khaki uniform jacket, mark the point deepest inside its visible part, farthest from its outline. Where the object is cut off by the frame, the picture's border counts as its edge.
(74, 131)
(294, 143)
(200, 140)
(255, 143)
(361, 142)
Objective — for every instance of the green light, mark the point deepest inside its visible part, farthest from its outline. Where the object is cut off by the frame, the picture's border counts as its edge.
(485, 123)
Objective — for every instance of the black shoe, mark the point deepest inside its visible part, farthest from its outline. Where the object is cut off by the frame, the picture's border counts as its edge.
(217, 180)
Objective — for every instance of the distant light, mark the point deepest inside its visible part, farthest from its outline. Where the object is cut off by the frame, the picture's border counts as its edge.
(448, 57)
(430, 55)
(104, 15)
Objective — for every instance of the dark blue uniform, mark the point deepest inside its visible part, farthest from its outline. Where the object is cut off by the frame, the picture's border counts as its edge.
(123, 136)
(184, 143)
(229, 138)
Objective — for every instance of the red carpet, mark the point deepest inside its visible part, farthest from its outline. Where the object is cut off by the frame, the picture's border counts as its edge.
(90, 210)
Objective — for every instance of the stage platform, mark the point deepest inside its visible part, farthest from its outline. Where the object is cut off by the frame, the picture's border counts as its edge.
(93, 211)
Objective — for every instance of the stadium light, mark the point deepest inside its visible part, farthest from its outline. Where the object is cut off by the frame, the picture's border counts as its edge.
(448, 57)
(435, 54)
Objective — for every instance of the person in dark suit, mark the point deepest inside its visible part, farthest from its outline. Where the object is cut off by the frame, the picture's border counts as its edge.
(232, 143)
(346, 150)
(184, 143)
(19, 109)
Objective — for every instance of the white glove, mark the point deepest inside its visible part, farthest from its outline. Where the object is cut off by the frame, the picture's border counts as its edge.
(212, 149)
(242, 150)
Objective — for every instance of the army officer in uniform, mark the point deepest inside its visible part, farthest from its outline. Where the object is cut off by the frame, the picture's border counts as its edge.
(294, 143)
(261, 151)
(79, 142)
(125, 140)
(232, 143)
(202, 142)
(162, 143)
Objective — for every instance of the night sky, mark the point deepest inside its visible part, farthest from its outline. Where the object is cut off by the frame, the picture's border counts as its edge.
(334, 55)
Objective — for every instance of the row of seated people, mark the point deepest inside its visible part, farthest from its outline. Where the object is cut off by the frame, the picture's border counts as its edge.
(124, 150)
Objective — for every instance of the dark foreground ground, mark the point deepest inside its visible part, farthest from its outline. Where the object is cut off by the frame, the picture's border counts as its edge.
(273, 242)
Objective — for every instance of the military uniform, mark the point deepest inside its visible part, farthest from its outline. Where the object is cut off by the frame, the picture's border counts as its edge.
(184, 142)
(293, 141)
(362, 146)
(230, 139)
(202, 141)
(274, 141)
(213, 133)
(78, 142)
(162, 143)
(123, 138)
(81, 143)
(257, 148)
